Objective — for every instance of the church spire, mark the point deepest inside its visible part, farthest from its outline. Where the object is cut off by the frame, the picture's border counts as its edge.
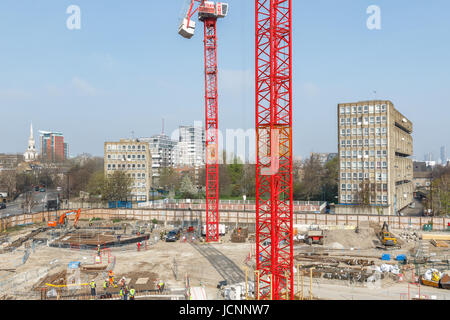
(31, 153)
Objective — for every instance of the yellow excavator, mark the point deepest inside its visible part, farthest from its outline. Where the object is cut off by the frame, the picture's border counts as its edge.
(387, 238)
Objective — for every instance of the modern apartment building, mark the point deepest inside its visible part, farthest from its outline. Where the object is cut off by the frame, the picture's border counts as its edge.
(375, 144)
(53, 148)
(133, 157)
(190, 150)
(163, 151)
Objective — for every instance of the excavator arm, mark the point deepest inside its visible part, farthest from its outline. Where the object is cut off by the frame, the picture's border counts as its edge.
(77, 217)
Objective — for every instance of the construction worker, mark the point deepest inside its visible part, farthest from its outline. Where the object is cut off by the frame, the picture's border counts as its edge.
(111, 279)
(93, 286)
(105, 285)
(99, 251)
(161, 286)
(122, 282)
(132, 293)
(125, 292)
(121, 294)
(139, 246)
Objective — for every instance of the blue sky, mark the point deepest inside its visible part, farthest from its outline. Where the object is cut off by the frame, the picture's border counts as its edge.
(127, 68)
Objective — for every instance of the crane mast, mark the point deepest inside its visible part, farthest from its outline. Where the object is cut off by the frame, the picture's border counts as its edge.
(274, 223)
(209, 12)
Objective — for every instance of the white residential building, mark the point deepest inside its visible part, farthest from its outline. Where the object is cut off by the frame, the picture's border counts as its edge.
(190, 150)
(163, 150)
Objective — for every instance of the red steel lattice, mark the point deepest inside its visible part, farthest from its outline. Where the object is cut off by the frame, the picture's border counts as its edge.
(274, 225)
(211, 127)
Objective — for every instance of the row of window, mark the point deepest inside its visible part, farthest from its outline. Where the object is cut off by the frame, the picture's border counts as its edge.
(124, 157)
(363, 176)
(110, 147)
(360, 175)
(363, 164)
(123, 167)
(363, 153)
(364, 131)
(363, 142)
(359, 121)
(363, 109)
(356, 187)
(350, 198)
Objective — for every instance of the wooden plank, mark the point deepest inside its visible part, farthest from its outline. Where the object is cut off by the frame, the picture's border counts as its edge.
(430, 236)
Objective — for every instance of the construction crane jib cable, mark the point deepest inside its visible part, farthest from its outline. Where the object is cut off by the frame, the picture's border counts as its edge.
(208, 13)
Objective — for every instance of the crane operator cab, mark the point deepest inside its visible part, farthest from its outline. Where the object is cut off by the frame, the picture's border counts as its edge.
(209, 9)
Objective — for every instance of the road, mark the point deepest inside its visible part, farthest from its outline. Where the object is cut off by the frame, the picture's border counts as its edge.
(417, 211)
(15, 207)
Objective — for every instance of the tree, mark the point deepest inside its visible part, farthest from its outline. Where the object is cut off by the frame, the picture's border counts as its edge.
(440, 191)
(96, 183)
(29, 202)
(117, 187)
(187, 189)
(331, 180)
(236, 170)
(24, 181)
(225, 182)
(8, 180)
(80, 173)
(248, 180)
(310, 186)
(169, 178)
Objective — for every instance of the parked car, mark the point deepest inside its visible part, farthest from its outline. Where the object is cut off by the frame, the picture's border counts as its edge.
(173, 236)
(2, 205)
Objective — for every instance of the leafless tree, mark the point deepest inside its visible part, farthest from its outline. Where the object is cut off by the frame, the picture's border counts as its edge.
(8, 180)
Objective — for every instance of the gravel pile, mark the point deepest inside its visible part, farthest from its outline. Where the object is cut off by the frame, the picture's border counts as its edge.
(350, 239)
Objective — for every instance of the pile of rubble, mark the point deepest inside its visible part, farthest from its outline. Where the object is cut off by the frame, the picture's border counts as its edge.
(409, 236)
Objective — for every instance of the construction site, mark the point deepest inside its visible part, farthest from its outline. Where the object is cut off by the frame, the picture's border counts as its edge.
(271, 249)
(331, 262)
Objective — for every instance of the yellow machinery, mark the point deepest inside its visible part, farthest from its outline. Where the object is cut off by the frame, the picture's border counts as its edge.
(386, 237)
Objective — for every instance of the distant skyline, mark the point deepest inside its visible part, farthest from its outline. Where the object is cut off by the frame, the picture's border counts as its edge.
(127, 68)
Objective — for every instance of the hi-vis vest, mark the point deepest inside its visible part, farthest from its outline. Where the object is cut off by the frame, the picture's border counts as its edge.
(105, 284)
(132, 292)
(121, 292)
(92, 284)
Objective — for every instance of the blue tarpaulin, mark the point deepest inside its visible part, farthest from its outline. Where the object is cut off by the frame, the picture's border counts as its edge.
(74, 264)
(386, 257)
(401, 257)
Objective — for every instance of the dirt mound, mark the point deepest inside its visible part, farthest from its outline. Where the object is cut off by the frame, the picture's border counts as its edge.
(350, 239)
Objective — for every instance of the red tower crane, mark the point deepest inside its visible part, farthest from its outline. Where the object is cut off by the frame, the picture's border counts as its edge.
(209, 12)
(274, 225)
